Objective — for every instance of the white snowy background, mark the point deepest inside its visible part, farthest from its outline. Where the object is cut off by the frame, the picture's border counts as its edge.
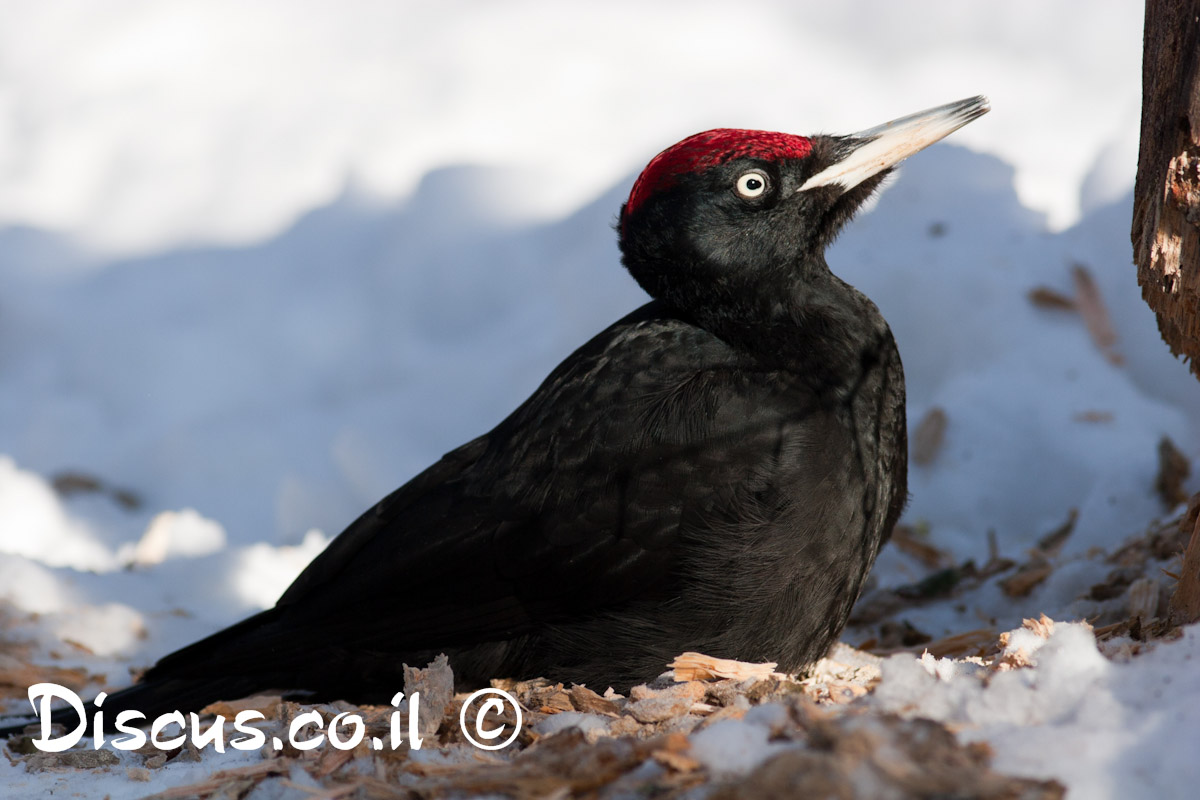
(262, 262)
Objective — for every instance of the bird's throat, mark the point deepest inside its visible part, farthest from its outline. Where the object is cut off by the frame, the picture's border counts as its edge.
(807, 321)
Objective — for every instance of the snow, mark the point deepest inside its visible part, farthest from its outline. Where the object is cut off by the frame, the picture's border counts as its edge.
(734, 745)
(1105, 729)
(256, 275)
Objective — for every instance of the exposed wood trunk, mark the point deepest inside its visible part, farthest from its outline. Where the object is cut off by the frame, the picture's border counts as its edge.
(1166, 210)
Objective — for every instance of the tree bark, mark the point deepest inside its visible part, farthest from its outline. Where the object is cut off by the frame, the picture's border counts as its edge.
(1166, 210)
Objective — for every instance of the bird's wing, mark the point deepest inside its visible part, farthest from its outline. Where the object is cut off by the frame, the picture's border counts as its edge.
(574, 504)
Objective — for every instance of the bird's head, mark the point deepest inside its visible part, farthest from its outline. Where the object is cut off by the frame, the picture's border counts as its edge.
(729, 208)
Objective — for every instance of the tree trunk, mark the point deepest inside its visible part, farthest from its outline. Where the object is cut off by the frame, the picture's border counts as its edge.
(1166, 209)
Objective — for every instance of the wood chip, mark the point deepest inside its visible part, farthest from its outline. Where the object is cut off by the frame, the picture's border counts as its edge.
(672, 751)
(70, 482)
(1026, 579)
(699, 667)
(1173, 469)
(265, 704)
(1045, 297)
(435, 683)
(691, 690)
(1095, 315)
(842, 692)
(928, 436)
(657, 709)
(1052, 542)
(907, 540)
(1013, 659)
(587, 701)
(556, 702)
(139, 774)
(968, 643)
(17, 676)
(1043, 626)
(1143, 598)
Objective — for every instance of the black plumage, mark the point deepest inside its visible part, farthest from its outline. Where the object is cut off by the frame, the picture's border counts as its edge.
(715, 472)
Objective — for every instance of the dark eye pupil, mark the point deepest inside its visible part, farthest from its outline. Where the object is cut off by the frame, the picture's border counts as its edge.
(753, 183)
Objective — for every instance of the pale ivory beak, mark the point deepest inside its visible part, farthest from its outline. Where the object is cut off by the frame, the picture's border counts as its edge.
(886, 145)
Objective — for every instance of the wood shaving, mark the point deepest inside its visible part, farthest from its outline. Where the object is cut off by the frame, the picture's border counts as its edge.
(1143, 598)
(699, 667)
(1045, 297)
(907, 539)
(435, 683)
(1043, 626)
(1027, 578)
(587, 701)
(1012, 659)
(675, 761)
(18, 673)
(1052, 542)
(1095, 315)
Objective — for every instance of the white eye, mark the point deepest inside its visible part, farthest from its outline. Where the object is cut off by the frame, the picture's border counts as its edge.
(752, 184)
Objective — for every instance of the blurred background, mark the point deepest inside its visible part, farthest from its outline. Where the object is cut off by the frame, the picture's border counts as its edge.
(260, 263)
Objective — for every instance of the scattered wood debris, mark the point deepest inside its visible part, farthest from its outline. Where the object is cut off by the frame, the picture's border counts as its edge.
(576, 742)
(652, 754)
(1137, 587)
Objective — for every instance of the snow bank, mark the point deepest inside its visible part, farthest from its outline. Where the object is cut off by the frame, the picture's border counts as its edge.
(1103, 728)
